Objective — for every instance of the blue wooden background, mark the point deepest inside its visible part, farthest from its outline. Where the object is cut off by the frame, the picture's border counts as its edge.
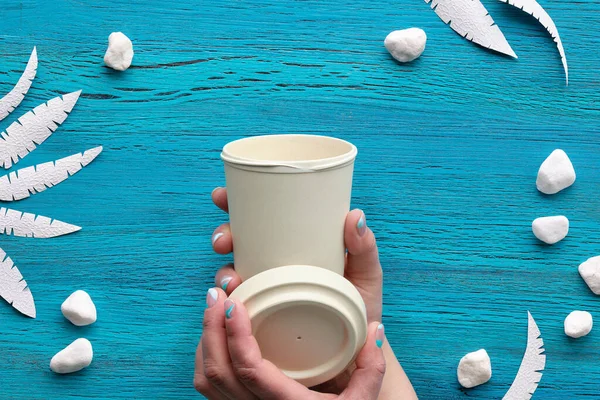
(449, 148)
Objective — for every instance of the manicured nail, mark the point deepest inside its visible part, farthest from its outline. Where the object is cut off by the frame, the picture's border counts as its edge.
(380, 335)
(361, 225)
(215, 189)
(211, 297)
(224, 282)
(229, 306)
(216, 237)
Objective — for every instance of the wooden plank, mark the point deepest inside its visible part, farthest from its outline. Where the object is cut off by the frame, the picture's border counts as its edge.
(449, 147)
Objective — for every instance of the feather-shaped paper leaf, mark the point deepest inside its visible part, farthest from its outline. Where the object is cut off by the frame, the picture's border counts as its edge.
(471, 20)
(530, 371)
(22, 136)
(17, 223)
(11, 101)
(532, 8)
(31, 180)
(13, 287)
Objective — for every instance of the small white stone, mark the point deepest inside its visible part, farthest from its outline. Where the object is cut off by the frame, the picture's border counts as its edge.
(407, 44)
(556, 173)
(550, 229)
(72, 358)
(119, 53)
(578, 324)
(474, 369)
(79, 308)
(590, 272)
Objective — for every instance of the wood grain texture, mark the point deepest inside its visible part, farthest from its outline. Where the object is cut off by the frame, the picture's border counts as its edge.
(449, 147)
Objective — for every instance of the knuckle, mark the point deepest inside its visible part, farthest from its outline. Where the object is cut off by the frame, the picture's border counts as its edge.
(201, 384)
(246, 372)
(380, 367)
(214, 373)
(210, 322)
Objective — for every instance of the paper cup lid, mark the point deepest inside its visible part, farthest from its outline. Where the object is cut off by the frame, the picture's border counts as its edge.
(309, 321)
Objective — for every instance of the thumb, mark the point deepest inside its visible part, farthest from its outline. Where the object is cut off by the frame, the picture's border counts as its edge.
(363, 258)
(365, 382)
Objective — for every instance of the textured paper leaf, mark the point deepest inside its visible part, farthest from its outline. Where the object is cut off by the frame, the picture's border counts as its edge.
(471, 20)
(529, 374)
(13, 287)
(22, 136)
(9, 102)
(31, 180)
(17, 223)
(532, 8)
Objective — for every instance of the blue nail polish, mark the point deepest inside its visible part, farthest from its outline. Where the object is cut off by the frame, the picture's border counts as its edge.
(224, 282)
(229, 310)
(361, 226)
(361, 223)
(380, 335)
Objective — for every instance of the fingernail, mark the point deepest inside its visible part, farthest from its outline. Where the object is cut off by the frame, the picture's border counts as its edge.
(211, 297)
(380, 335)
(229, 306)
(224, 282)
(216, 237)
(215, 189)
(361, 225)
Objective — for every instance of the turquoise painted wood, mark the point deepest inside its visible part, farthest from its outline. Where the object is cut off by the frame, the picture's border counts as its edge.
(449, 148)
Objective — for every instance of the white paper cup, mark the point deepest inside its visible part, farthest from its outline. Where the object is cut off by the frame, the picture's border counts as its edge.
(288, 198)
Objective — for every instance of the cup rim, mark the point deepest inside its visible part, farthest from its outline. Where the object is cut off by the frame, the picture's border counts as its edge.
(305, 165)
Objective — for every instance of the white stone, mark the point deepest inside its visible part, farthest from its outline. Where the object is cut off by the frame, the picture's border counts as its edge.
(407, 44)
(79, 308)
(578, 324)
(119, 53)
(590, 272)
(556, 173)
(72, 358)
(550, 229)
(474, 369)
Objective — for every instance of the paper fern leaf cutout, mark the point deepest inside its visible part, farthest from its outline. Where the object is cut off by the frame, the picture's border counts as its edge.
(470, 19)
(16, 223)
(31, 180)
(9, 102)
(530, 371)
(22, 136)
(532, 8)
(13, 287)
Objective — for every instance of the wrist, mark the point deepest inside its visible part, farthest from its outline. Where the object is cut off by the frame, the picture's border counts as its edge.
(396, 385)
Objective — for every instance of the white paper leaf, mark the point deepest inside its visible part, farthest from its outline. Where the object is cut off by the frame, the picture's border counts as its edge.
(13, 287)
(22, 136)
(17, 223)
(532, 8)
(31, 180)
(529, 374)
(471, 20)
(9, 102)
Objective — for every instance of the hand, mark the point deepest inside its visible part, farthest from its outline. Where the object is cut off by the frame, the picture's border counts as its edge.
(229, 364)
(362, 269)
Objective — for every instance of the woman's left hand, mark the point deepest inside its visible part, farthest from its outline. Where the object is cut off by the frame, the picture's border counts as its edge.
(229, 364)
